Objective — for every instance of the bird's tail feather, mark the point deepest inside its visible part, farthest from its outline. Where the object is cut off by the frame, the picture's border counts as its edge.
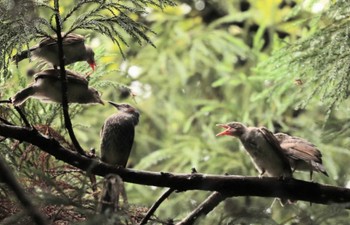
(21, 55)
(22, 95)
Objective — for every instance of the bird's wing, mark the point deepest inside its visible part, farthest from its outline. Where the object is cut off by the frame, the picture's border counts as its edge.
(272, 140)
(126, 134)
(101, 131)
(76, 78)
(72, 39)
(300, 149)
(47, 41)
(68, 39)
(50, 74)
(73, 78)
(119, 139)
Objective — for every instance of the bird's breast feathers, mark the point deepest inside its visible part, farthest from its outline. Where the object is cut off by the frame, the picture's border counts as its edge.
(263, 155)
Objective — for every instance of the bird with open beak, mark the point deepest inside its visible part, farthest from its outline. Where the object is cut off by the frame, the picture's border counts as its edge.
(47, 88)
(302, 154)
(118, 134)
(74, 49)
(263, 149)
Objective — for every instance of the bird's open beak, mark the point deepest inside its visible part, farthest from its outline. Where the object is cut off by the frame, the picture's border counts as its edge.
(225, 132)
(114, 104)
(92, 65)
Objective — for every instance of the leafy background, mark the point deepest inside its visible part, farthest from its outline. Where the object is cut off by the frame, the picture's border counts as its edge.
(279, 64)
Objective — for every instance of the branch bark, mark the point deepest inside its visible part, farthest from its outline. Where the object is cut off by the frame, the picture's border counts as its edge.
(67, 120)
(227, 185)
(155, 206)
(203, 209)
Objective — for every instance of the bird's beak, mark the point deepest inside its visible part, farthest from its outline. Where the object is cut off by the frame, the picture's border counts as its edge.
(92, 65)
(225, 132)
(114, 104)
(101, 102)
(222, 125)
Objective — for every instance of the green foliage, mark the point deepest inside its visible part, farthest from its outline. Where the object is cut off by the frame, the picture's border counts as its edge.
(318, 60)
(22, 22)
(16, 27)
(206, 73)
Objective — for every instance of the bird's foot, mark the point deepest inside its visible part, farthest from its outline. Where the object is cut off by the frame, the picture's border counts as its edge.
(261, 175)
(92, 153)
(193, 170)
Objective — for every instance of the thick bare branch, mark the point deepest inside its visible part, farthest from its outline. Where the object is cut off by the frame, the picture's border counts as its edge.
(227, 185)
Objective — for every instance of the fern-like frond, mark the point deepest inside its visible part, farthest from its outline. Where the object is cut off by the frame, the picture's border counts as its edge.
(320, 62)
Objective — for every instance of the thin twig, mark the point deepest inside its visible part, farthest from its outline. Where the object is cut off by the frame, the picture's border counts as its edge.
(203, 209)
(5, 101)
(5, 121)
(7, 177)
(67, 120)
(155, 206)
(24, 118)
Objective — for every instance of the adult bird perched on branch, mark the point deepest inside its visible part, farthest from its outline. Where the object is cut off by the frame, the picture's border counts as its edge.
(47, 88)
(74, 49)
(302, 155)
(118, 134)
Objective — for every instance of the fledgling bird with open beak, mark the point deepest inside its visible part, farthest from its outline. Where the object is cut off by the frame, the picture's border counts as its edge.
(74, 49)
(263, 149)
(118, 134)
(302, 155)
(47, 88)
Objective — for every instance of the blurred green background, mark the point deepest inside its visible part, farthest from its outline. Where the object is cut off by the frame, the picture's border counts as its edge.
(215, 61)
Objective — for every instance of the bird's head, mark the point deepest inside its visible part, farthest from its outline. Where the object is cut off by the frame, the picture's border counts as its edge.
(232, 129)
(90, 57)
(126, 108)
(94, 96)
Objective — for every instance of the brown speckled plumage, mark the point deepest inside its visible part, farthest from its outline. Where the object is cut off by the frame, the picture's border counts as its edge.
(262, 147)
(302, 154)
(74, 49)
(47, 88)
(118, 134)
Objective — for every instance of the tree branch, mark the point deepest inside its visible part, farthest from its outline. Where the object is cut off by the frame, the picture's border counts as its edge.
(23, 117)
(155, 206)
(67, 121)
(227, 185)
(203, 209)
